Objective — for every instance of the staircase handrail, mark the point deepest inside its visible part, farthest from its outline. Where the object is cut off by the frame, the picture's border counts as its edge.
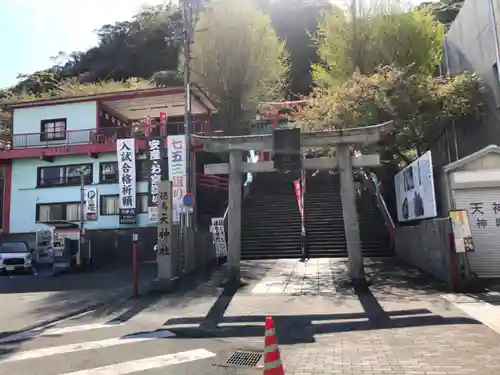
(382, 206)
(381, 201)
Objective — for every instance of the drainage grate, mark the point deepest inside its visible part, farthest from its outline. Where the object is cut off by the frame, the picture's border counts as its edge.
(244, 358)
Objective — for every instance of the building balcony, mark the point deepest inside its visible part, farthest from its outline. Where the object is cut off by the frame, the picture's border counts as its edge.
(86, 141)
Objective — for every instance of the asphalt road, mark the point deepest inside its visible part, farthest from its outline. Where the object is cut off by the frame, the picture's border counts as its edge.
(114, 340)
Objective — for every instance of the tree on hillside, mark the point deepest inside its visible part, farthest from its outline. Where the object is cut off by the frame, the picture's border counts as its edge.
(380, 36)
(295, 22)
(445, 11)
(126, 49)
(238, 59)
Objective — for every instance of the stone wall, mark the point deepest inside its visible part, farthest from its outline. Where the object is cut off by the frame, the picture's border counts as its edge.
(427, 246)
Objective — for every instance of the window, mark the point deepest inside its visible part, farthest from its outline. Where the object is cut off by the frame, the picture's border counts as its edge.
(142, 203)
(142, 171)
(108, 171)
(109, 204)
(53, 130)
(58, 211)
(65, 175)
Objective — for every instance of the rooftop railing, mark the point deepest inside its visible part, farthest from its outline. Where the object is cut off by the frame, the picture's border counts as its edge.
(103, 135)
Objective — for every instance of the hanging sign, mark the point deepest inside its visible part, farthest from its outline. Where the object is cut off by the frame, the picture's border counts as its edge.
(91, 204)
(177, 172)
(155, 158)
(219, 236)
(125, 149)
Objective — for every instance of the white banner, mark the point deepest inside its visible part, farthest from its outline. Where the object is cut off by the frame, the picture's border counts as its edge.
(219, 236)
(91, 203)
(125, 150)
(177, 172)
(415, 195)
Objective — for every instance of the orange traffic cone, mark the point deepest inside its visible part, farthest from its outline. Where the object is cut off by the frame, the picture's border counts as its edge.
(272, 358)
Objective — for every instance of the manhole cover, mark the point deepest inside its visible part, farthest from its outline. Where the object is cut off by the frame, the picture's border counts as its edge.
(244, 358)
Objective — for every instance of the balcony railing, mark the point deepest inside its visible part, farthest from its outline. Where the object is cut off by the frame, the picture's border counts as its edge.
(104, 135)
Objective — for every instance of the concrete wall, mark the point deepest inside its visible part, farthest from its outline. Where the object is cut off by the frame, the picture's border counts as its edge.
(79, 116)
(427, 247)
(25, 195)
(470, 46)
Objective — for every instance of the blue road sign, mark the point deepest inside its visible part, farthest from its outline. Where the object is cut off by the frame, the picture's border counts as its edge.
(188, 200)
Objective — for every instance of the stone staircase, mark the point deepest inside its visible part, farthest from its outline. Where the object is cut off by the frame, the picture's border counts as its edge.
(325, 224)
(271, 220)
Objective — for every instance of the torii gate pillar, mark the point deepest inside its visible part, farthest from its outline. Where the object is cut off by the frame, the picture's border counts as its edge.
(351, 223)
(234, 214)
(340, 139)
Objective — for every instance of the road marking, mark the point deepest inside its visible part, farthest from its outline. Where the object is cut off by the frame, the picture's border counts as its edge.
(47, 331)
(147, 363)
(476, 308)
(89, 345)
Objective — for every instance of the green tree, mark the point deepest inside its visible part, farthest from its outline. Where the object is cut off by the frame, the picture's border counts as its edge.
(420, 106)
(380, 36)
(238, 59)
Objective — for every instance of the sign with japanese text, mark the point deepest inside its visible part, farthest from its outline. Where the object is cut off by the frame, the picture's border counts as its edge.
(415, 194)
(219, 236)
(91, 204)
(485, 215)
(177, 172)
(461, 231)
(155, 163)
(165, 227)
(125, 149)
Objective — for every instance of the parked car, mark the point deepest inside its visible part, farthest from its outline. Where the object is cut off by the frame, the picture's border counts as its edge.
(15, 256)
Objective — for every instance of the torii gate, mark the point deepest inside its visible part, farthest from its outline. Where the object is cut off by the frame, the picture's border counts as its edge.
(340, 139)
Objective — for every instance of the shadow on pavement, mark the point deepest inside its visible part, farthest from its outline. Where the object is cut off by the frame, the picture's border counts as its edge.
(389, 279)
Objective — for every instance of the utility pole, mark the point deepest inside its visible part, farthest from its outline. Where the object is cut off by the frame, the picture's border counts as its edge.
(187, 18)
(82, 216)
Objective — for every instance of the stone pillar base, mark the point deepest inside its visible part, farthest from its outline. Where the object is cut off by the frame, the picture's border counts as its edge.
(164, 285)
(358, 283)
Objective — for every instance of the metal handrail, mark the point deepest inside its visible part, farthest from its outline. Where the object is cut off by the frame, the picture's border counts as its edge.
(381, 200)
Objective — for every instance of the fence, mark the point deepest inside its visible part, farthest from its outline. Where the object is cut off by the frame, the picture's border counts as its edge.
(427, 246)
(191, 250)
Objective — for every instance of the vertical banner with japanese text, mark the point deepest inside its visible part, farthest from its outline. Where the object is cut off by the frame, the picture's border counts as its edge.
(90, 204)
(155, 164)
(125, 149)
(219, 236)
(177, 172)
(165, 269)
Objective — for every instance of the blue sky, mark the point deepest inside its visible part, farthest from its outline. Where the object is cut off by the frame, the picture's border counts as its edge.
(32, 31)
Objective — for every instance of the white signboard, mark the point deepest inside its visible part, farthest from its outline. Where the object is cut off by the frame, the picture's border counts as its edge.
(164, 247)
(91, 203)
(125, 149)
(415, 195)
(177, 173)
(219, 236)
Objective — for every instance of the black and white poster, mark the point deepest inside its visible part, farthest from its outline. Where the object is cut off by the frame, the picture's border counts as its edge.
(125, 149)
(155, 162)
(415, 195)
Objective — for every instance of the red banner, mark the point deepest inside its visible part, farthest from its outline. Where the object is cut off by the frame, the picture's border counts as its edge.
(298, 195)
